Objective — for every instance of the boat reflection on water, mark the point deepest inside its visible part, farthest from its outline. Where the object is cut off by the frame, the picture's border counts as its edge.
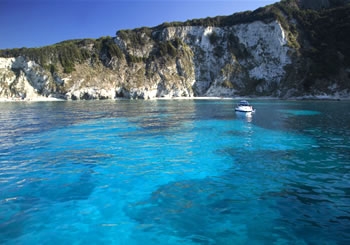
(247, 116)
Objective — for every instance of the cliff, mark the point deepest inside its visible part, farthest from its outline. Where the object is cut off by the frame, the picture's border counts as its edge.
(289, 49)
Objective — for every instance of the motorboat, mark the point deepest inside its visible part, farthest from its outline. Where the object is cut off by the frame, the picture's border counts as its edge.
(244, 107)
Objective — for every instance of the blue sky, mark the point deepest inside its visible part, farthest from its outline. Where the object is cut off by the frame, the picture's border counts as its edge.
(36, 23)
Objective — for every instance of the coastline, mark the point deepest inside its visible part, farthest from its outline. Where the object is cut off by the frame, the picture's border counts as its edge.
(306, 97)
(38, 99)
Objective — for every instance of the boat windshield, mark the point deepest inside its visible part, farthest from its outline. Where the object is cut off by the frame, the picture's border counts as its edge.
(243, 103)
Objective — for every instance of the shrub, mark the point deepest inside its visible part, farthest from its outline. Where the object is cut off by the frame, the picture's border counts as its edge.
(227, 84)
(168, 49)
(110, 48)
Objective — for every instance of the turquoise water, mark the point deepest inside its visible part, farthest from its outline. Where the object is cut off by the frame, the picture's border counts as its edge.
(174, 172)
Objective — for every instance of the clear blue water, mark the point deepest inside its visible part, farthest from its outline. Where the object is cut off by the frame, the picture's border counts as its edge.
(174, 172)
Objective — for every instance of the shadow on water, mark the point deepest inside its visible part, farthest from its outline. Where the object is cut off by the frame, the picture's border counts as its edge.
(187, 209)
(38, 196)
(206, 211)
(318, 216)
(52, 179)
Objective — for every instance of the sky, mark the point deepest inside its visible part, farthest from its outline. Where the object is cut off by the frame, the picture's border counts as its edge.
(37, 23)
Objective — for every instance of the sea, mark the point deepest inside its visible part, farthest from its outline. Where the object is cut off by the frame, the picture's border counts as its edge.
(194, 172)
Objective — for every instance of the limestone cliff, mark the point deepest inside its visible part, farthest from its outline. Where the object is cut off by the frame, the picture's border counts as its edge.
(282, 50)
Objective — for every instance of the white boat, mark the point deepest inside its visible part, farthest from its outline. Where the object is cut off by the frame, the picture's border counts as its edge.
(245, 107)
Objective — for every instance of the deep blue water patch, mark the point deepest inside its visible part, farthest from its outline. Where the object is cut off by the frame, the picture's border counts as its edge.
(300, 112)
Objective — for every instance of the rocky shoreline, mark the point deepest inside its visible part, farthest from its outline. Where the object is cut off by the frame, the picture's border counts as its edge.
(316, 97)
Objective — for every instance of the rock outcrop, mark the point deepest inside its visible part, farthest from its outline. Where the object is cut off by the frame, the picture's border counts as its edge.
(279, 50)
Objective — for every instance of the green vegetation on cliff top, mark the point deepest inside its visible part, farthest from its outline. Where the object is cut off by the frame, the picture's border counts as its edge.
(68, 53)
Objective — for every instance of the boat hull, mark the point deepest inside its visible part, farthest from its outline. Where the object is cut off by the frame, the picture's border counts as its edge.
(244, 109)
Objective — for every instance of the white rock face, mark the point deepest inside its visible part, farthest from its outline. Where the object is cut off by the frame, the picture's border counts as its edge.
(214, 61)
(267, 44)
(206, 66)
(6, 63)
(21, 79)
(91, 93)
(135, 51)
(7, 76)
